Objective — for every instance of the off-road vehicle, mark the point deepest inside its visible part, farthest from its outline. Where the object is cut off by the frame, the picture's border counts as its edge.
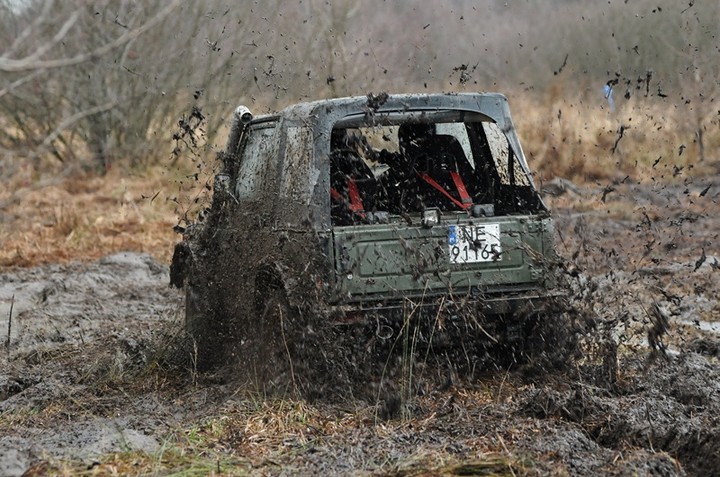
(367, 213)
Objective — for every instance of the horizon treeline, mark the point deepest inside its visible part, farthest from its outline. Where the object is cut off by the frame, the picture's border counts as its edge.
(90, 85)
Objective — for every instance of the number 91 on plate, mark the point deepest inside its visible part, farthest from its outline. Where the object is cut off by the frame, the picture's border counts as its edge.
(474, 243)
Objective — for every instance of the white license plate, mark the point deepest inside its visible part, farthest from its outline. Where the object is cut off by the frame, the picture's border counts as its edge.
(474, 243)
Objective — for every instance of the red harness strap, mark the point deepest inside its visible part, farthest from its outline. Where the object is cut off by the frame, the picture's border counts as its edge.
(464, 196)
(466, 200)
(335, 195)
(356, 204)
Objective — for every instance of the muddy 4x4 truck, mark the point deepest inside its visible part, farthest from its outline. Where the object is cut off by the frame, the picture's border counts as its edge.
(344, 231)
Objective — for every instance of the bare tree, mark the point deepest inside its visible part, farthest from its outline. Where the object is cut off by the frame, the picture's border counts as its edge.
(34, 59)
(109, 80)
(50, 46)
(698, 78)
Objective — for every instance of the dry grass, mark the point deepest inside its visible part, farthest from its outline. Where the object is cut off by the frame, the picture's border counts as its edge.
(87, 217)
(246, 437)
(580, 139)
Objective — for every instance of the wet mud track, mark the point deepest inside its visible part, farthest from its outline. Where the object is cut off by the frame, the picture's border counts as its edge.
(80, 375)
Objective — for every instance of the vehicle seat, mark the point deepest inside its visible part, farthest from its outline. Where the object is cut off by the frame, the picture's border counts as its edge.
(443, 172)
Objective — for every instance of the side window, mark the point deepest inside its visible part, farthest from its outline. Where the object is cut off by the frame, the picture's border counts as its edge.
(259, 150)
(506, 163)
(299, 172)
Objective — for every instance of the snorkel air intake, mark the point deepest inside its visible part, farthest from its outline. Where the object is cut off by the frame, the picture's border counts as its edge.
(241, 118)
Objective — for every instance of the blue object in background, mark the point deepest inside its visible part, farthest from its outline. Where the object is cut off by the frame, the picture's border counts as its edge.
(608, 91)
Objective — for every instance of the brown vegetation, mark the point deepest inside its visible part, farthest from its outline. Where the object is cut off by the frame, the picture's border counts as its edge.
(89, 165)
(120, 105)
(86, 217)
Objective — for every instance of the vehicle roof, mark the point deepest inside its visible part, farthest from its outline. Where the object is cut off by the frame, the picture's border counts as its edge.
(493, 105)
(327, 112)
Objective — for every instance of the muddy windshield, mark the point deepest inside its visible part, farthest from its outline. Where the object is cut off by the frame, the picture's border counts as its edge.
(398, 167)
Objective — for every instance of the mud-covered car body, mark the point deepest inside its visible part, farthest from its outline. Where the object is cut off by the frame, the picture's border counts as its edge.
(356, 206)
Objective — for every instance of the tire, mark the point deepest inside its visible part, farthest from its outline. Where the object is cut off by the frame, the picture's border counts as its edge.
(551, 342)
(206, 347)
(272, 320)
(270, 355)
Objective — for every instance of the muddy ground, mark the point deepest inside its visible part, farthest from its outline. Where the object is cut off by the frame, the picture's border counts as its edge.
(85, 375)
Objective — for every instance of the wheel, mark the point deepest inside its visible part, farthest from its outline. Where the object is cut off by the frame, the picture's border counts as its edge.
(272, 321)
(206, 349)
(269, 344)
(551, 342)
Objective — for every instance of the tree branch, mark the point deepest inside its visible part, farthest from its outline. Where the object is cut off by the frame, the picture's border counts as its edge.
(19, 82)
(33, 62)
(29, 30)
(69, 121)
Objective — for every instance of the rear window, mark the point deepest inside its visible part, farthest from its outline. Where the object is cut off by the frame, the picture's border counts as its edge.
(406, 167)
(506, 163)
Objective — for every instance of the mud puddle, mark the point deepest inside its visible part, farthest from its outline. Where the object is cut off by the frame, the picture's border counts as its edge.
(71, 328)
(80, 381)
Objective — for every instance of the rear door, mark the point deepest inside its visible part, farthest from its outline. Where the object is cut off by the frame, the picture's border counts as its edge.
(498, 250)
(458, 255)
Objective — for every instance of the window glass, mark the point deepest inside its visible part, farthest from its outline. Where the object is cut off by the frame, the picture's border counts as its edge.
(260, 147)
(380, 137)
(299, 173)
(501, 154)
(460, 132)
(402, 165)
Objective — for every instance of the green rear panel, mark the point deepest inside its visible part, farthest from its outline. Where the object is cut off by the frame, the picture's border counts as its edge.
(387, 260)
